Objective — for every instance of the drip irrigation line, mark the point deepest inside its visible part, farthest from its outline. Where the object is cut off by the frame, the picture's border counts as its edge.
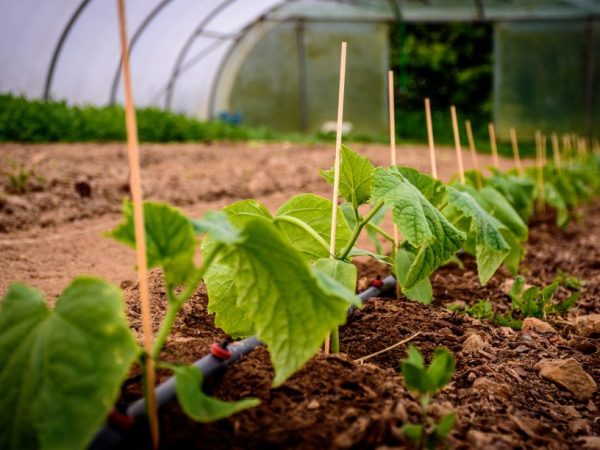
(113, 433)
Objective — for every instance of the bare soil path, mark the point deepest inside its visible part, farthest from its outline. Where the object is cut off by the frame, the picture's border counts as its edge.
(53, 232)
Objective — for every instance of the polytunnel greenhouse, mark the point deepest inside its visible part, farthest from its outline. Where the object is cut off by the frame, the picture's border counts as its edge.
(270, 62)
(299, 224)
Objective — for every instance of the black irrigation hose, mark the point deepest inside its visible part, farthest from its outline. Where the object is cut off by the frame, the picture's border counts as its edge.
(111, 436)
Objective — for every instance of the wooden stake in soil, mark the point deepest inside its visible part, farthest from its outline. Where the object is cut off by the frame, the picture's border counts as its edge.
(539, 158)
(515, 148)
(567, 148)
(492, 133)
(556, 152)
(140, 238)
(459, 158)
(474, 158)
(430, 139)
(336, 167)
(392, 139)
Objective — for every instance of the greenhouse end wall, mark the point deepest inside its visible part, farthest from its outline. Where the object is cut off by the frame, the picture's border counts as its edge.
(545, 78)
(289, 79)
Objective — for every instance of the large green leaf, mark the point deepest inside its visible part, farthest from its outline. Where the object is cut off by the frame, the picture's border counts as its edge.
(553, 198)
(60, 370)
(199, 406)
(422, 291)
(216, 224)
(220, 280)
(484, 230)
(356, 173)
(515, 232)
(290, 305)
(342, 272)
(170, 240)
(498, 206)
(564, 186)
(315, 212)
(425, 228)
(518, 191)
(433, 190)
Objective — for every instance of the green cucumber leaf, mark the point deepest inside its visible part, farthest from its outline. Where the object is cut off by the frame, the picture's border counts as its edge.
(498, 206)
(490, 246)
(518, 191)
(356, 173)
(516, 253)
(413, 433)
(315, 212)
(444, 426)
(420, 292)
(219, 279)
(440, 370)
(553, 198)
(291, 306)
(424, 227)
(342, 272)
(61, 369)
(372, 234)
(216, 224)
(199, 406)
(427, 380)
(376, 256)
(433, 190)
(170, 239)
(348, 212)
(565, 187)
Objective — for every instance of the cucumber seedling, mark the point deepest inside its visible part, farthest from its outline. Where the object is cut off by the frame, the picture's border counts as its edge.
(425, 382)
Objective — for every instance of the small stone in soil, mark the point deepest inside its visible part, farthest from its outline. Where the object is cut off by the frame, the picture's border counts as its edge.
(533, 324)
(569, 374)
(588, 326)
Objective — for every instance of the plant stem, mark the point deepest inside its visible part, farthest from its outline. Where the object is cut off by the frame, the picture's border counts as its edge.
(177, 301)
(377, 229)
(359, 228)
(335, 340)
(306, 227)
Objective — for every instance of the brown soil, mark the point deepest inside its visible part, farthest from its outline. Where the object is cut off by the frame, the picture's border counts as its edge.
(333, 402)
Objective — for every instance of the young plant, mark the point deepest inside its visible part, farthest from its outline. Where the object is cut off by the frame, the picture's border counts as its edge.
(425, 382)
(249, 269)
(481, 310)
(19, 178)
(68, 363)
(536, 302)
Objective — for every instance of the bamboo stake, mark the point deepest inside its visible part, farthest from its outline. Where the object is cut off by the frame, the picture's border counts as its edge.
(544, 150)
(515, 148)
(459, 158)
(492, 133)
(567, 148)
(430, 140)
(474, 158)
(556, 152)
(392, 139)
(539, 143)
(140, 238)
(336, 168)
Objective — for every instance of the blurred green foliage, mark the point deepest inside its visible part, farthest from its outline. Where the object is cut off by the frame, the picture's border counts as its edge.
(452, 64)
(23, 120)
